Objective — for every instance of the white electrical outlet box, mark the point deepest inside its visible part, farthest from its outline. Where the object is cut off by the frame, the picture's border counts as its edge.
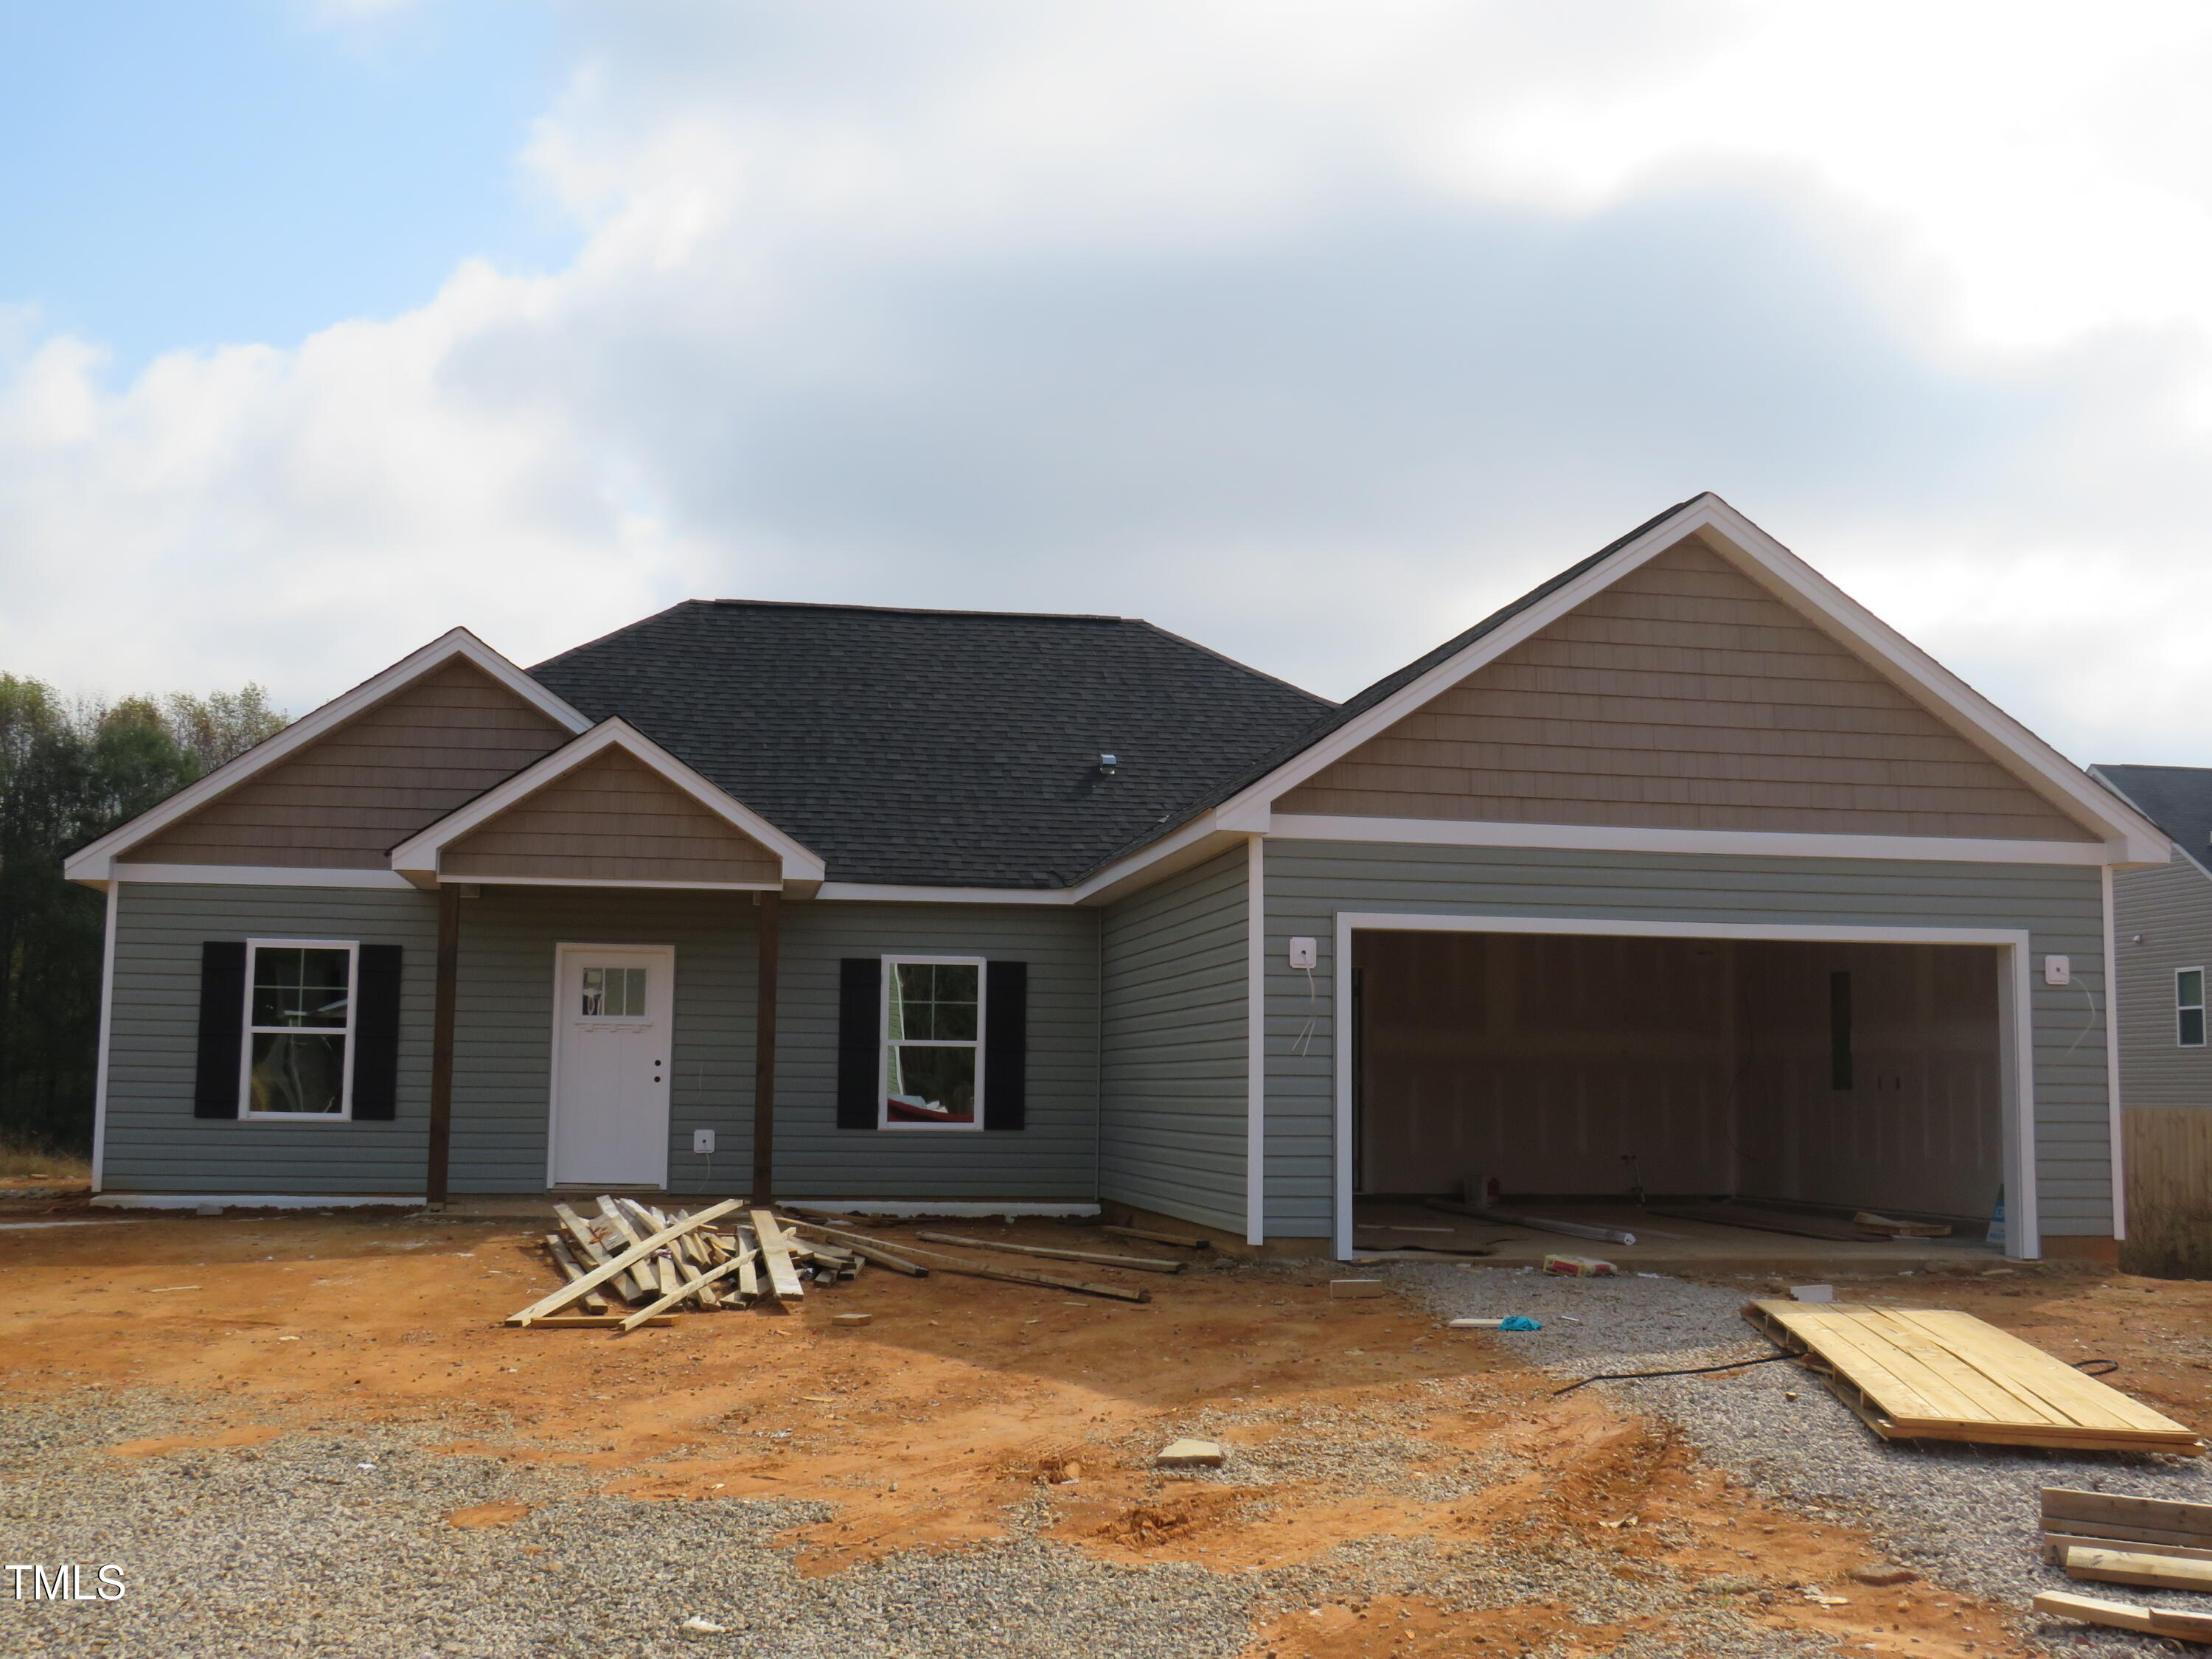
(2059, 971)
(702, 1140)
(1305, 953)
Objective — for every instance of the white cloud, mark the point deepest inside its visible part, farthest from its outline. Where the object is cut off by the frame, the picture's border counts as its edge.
(1309, 330)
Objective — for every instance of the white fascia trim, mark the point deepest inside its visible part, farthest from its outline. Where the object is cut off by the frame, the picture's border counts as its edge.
(2135, 838)
(2115, 1123)
(255, 1201)
(596, 881)
(891, 893)
(418, 854)
(95, 861)
(261, 875)
(2023, 1239)
(106, 1035)
(2131, 837)
(1610, 838)
(1255, 1040)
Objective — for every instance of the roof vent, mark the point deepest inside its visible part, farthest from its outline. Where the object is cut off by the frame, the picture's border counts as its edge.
(1108, 764)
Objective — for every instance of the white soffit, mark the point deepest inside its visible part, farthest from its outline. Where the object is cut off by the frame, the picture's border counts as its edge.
(2129, 837)
(417, 858)
(95, 862)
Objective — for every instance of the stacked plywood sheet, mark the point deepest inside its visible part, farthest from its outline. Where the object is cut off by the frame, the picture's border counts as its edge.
(1934, 1374)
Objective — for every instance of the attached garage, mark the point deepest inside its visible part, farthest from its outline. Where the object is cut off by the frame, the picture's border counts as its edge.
(1845, 1074)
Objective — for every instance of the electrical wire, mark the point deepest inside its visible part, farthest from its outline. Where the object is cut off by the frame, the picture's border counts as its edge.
(1693, 1371)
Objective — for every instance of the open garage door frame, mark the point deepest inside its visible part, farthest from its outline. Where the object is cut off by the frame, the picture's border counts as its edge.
(2015, 1031)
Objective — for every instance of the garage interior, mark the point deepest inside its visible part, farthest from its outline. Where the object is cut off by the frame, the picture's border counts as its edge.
(1622, 1072)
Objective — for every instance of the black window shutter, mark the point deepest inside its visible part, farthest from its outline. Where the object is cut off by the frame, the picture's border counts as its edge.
(376, 1036)
(860, 1009)
(1005, 1045)
(223, 1028)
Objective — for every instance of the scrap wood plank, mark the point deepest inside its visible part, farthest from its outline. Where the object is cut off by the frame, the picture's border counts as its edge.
(1766, 1221)
(976, 1270)
(620, 1236)
(868, 1250)
(2118, 1566)
(692, 1287)
(2093, 1511)
(2126, 1615)
(574, 1289)
(2056, 1544)
(557, 1247)
(1174, 1239)
(776, 1253)
(1932, 1373)
(584, 1321)
(1148, 1263)
(625, 1286)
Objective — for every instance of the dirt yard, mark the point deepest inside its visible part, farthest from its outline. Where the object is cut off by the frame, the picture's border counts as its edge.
(967, 1405)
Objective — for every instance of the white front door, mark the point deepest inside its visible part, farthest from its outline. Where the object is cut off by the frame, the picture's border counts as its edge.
(611, 1030)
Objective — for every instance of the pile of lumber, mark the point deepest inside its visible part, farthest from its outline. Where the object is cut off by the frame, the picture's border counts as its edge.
(657, 1262)
(2155, 1543)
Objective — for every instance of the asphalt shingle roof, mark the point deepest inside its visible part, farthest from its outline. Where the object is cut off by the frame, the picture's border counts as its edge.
(2177, 798)
(939, 748)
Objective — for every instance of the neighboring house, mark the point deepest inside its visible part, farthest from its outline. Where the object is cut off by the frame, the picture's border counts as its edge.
(1681, 874)
(2162, 918)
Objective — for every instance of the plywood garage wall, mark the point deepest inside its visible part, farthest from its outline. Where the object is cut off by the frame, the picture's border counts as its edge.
(1921, 1128)
(1684, 697)
(1541, 1060)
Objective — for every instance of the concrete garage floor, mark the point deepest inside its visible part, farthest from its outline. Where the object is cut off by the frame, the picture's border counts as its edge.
(1664, 1244)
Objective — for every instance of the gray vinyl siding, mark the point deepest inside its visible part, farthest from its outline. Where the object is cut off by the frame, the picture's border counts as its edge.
(2171, 908)
(503, 1027)
(1055, 1158)
(503, 1043)
(153, 1143)
(1172, 1099)
(2061, 906)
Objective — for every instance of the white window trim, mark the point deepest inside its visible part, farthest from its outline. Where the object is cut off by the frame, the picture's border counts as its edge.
(982, 967)
(2181, 1007)
(247, 1031)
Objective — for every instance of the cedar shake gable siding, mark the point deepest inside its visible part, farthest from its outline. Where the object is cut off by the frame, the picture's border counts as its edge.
(1684, 697)
(345, 800)
(611, 819)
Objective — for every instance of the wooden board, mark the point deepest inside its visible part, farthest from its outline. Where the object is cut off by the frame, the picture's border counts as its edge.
(1933, 1374)
(1149, 1264)
(2116, 1567)
(2126, 1615)
(2056, 1544)
(2094, 1512)
(1765, 1221)
(776, 1256)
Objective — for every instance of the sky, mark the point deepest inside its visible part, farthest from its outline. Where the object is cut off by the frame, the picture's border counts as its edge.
(1313, 331)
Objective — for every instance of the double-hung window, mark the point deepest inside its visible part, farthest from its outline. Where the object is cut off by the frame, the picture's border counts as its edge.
(932, 1048)
(2188, 1007)
(299, 1049)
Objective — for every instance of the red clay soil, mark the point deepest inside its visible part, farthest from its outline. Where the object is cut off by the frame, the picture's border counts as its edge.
(965, 1398)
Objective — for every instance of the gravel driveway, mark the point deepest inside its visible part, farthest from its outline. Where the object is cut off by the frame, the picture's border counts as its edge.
(1964, 1515)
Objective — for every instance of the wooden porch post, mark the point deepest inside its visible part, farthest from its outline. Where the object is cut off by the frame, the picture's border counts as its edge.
(441, 1043)
(765, 1054)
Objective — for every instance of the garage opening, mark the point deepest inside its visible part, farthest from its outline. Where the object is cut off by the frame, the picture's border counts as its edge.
(1827, 1078)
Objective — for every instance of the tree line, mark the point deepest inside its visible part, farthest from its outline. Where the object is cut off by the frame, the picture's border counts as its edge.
(70, 770)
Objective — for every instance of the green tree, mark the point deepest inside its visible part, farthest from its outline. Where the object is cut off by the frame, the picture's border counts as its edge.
(70, 773)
